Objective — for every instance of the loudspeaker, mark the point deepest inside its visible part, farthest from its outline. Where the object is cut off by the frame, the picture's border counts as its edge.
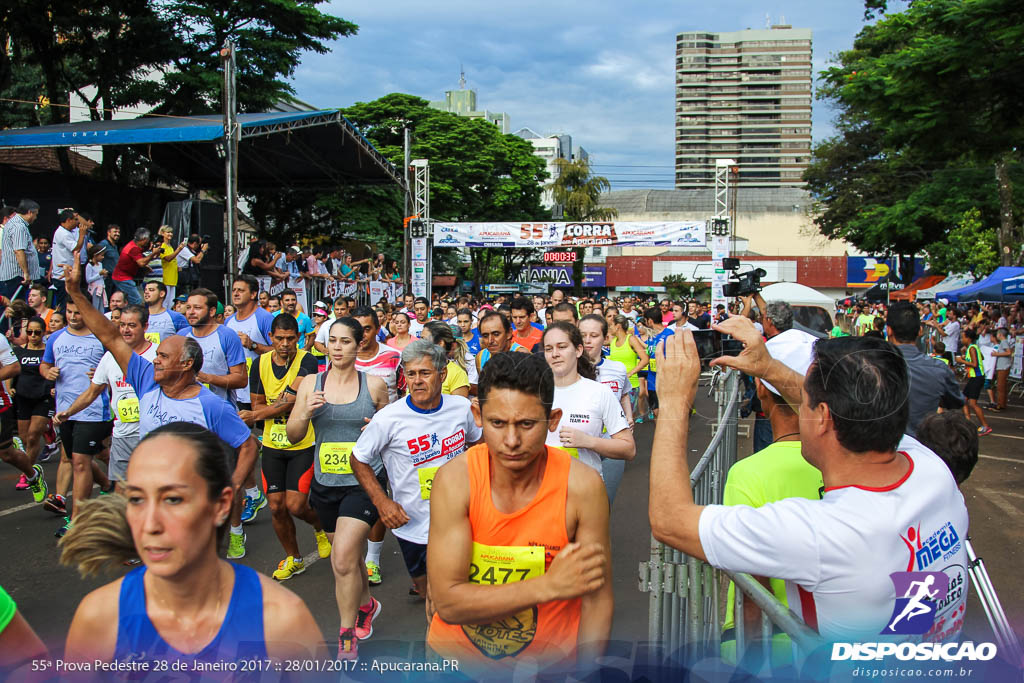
(205, 218)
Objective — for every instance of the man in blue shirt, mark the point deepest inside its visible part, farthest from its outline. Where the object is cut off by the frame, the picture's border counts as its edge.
(163, 322)
(169, 391)
(653, 318)
(290, 305)
(223, 368)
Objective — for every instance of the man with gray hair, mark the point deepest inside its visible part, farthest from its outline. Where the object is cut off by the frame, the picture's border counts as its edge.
(167, 388)
(777, 318)
(19, 262)
(135, 256)
(414, 437)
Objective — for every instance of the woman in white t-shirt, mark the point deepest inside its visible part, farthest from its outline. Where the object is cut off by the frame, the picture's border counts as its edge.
(592, 425)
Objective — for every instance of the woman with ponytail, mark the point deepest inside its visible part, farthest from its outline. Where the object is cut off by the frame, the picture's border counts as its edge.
(185, 604)
(593, 425)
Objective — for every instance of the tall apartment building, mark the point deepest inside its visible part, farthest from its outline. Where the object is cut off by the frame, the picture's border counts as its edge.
(744, 95)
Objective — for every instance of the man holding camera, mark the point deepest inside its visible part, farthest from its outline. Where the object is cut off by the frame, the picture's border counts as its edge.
(189, 260)
(135, 256)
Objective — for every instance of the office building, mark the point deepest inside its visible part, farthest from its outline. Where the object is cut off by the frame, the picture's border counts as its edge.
(463, 103)
(744, 95)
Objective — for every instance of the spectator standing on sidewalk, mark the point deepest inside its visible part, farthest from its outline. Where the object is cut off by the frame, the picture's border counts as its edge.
(135, 256)
(19, 263)
(111, 255)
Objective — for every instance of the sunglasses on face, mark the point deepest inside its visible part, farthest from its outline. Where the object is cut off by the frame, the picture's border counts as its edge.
(34, 332)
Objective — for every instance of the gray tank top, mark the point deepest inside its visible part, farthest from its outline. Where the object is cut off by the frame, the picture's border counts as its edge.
(337, 427)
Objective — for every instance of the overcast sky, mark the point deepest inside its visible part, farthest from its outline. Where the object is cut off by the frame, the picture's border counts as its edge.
(601, 71)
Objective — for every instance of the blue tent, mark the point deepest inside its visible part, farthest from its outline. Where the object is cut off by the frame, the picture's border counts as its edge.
(1015, 285)
(276, 149)
(987, 289)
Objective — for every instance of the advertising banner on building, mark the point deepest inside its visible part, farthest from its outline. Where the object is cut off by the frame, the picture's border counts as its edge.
(561, 276)
(866, 271)
(549, 235)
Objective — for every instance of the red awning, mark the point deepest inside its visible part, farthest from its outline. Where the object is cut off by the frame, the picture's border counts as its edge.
(909, 292)
(444, 281)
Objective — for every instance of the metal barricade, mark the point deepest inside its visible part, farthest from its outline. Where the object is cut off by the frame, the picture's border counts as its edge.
(686, 594)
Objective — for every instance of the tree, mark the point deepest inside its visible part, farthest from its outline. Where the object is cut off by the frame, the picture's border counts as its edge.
(970, 247)
(943, 82)
(476, 172)
(578, 193)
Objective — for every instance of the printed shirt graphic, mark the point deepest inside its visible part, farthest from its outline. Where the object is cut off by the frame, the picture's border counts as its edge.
(612, 374)
(387, 365)
(206, 409)
(74, 356)
(257, 327)
(167, 323)
(590, 407)
(108, 372)
(221, 351)
(408, 440)
(837, 554)
(918, 595)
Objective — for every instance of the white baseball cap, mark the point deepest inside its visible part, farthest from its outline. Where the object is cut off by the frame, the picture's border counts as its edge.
(794, 349)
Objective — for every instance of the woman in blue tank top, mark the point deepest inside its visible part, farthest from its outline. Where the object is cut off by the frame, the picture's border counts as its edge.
(185, 604)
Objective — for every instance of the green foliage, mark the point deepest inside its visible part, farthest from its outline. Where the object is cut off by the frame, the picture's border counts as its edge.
(476, 172)
(970, 246)
(678, 288)
(930, 101)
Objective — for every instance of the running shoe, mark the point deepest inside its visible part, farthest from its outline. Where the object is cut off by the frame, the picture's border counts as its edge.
(373, 573)
(55, 504)
(22, 483)
(348, 645)
(18, 443)
(288, 567)
(364, 618)
(64, 528)
(984, 431)
(252, 506)
(38, 485)
(323, 544)
(49, 450)
(236, 546)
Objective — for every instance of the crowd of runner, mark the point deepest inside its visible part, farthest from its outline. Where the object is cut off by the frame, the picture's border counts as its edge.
(490, 438)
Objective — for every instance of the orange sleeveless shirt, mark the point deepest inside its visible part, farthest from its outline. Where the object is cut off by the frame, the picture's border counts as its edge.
(513, 547)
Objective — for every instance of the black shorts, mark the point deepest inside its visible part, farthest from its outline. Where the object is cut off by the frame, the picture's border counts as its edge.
(331, 502)
(974, 387)
(652, 399)
(30, 407)
(415, 556)
(287, 470)
(85, 438)
(8, 424)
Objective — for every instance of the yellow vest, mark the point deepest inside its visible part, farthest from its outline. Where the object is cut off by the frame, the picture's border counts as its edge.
(274, 431)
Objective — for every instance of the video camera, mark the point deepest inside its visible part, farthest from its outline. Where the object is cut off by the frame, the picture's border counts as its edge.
(746, 283)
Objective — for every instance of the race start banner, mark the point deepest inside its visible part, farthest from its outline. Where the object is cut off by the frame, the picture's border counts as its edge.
(543, 235)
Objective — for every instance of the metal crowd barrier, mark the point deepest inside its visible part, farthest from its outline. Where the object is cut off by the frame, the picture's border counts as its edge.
(687, 596)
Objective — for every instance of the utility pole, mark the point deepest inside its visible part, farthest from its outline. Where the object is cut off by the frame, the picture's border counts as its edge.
(232, 133)
(408, 206)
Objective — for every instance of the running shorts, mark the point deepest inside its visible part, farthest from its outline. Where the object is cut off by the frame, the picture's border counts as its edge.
(415, 556)
(974, 387)
(331, 502)
(29, 407)
(85, 438)
(287, 470)
(121, 448)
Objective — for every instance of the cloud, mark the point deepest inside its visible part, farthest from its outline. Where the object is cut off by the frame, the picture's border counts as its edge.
(600, 71)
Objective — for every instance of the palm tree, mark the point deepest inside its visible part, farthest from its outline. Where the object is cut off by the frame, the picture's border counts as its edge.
(578, 192)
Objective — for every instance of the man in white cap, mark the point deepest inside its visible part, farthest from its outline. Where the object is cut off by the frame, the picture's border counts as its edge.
(774, 473)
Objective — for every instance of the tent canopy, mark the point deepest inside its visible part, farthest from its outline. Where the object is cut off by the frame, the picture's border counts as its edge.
(952, 281)
(909, 292)
(988, 289)
(1014, 285)
(796, 294)
(305, 150)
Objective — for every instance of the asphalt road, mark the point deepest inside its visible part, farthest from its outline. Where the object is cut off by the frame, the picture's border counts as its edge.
(47, 593)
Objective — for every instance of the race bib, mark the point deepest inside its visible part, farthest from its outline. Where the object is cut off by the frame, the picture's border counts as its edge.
(128, 409)
(153, 337)
(279, 435)
(427, 480)
(335, 457)
(495, 565)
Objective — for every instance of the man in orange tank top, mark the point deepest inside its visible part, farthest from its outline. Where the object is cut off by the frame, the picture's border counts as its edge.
(519, 552)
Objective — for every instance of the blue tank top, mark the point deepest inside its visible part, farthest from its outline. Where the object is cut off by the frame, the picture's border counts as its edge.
(240, 636)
